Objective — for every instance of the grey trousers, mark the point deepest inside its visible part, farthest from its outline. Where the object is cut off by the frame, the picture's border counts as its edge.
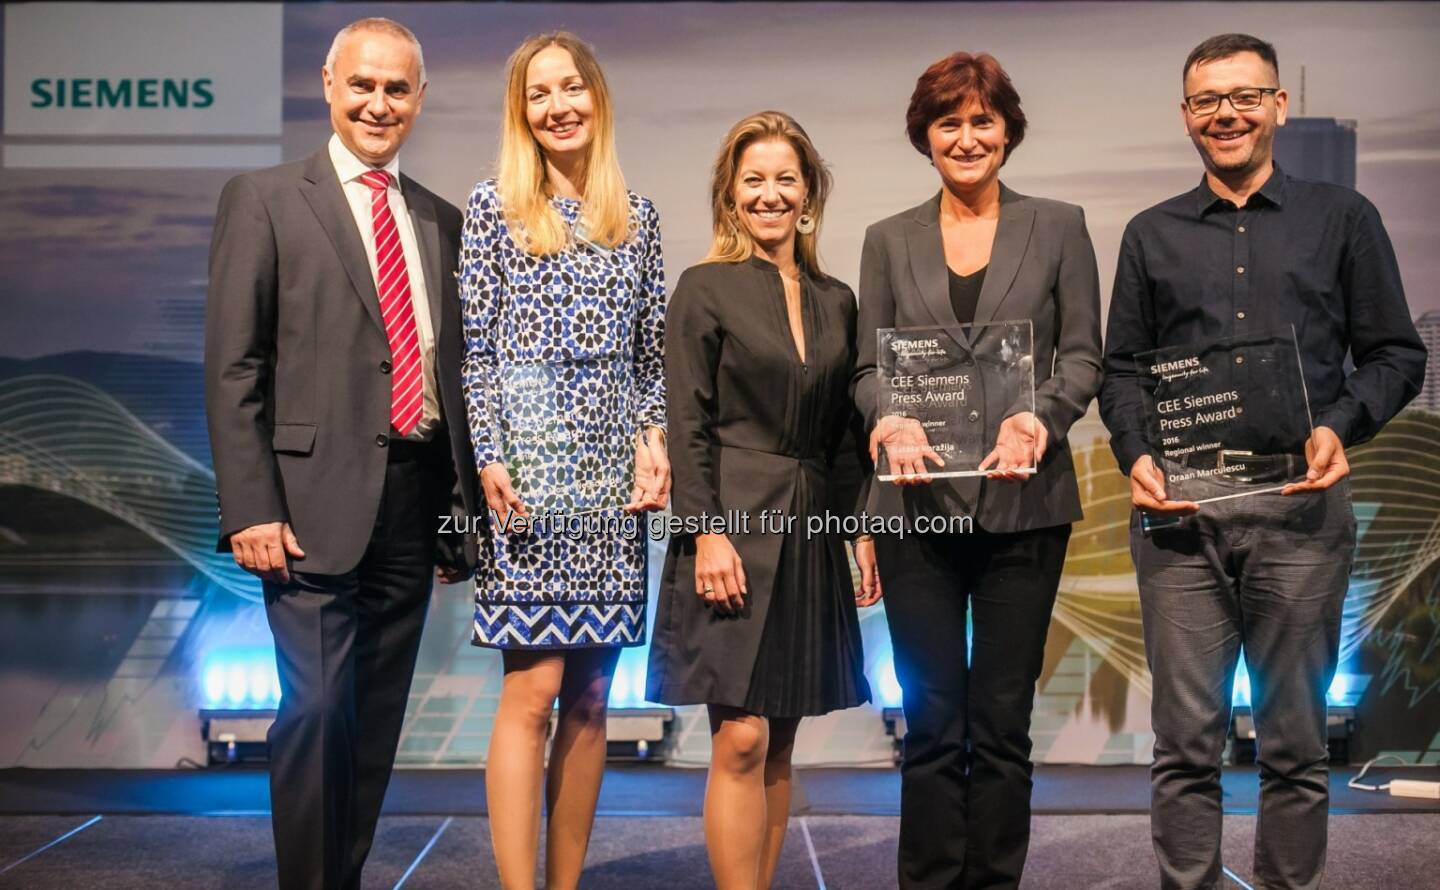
(1268, 573)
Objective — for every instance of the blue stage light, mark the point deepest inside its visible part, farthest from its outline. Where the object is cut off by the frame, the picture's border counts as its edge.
(240, 680)
(885, 684)
(260, 682)
(236, 687)
(1339, 687)
(214, 684)
(627, 690)
(1240, 694)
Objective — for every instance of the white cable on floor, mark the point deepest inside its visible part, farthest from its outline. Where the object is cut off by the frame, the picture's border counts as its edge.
(814, 860)
(1355, 782)
(1236, 878)
(59, 840)
(424, 852)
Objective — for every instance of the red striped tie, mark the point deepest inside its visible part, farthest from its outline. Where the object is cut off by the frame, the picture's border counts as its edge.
(407, 386)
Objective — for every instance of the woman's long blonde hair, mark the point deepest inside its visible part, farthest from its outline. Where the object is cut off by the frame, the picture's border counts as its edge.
(536, 225)
(733, 242)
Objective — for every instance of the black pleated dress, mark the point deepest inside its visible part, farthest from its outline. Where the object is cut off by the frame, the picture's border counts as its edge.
(752, 428)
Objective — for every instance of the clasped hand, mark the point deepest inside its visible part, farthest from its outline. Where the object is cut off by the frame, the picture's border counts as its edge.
(720, 574)
(652, 473)
(1019, 446)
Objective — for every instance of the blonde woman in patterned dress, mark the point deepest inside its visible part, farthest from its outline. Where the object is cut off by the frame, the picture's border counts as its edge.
(562, 286)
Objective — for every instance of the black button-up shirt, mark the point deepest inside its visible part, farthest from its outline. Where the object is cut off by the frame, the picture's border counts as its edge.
(1314, 255)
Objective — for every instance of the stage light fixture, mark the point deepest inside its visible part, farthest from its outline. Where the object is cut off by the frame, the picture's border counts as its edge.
(1341, 698)
(895, 728)
(889, 695)
(627, 688)
(240, 680)
(1339, 688)
(638, 733)
(1344, 688)
(635, 730)
(884, 683)
(1240, 689)
(241, 691)
(235, 736)
(634, 733)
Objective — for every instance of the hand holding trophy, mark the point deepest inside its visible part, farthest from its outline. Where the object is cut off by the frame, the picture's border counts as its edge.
(962, 398)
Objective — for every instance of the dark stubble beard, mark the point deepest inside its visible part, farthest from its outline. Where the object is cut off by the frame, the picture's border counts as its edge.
(1259, 154)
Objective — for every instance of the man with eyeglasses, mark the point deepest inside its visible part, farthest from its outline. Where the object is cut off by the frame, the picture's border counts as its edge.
(1250, 251)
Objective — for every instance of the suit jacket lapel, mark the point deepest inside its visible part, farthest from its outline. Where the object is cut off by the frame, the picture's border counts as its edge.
(1012, 237)
(326, 198)
(427, 233)
(926, 247)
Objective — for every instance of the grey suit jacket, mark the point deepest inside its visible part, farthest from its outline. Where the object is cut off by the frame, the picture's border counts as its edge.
(297, 366)
(1042, 267)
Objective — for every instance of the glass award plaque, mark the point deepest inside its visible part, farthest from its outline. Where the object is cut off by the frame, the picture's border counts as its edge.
(947, 390)
(1227, 418)
(559, 437)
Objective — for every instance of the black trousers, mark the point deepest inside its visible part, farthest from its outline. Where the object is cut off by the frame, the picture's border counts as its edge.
(966, 776)
(345, 647)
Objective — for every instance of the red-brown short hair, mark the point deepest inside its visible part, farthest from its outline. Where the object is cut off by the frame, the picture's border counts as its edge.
(950, 83)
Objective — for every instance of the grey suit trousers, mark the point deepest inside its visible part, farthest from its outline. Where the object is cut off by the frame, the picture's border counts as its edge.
(1267, 573)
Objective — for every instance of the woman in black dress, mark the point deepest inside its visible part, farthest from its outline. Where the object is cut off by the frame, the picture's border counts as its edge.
(759, 623)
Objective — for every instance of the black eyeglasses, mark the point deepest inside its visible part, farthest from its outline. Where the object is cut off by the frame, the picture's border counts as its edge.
(1244, 99)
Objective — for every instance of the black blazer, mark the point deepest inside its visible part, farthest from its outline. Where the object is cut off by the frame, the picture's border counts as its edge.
(297, 401)
(1042, 267)
(751, 429)
(742, 423)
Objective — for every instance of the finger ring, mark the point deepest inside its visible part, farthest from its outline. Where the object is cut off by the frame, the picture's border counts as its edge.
(709, 590)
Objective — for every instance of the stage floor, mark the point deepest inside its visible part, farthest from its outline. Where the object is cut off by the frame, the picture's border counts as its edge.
(64, 829)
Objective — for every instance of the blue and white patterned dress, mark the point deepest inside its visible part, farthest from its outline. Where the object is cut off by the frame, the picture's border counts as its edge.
(594, 319)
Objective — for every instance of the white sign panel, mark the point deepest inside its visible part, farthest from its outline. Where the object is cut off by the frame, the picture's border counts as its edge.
(143, 69)
(152, 156)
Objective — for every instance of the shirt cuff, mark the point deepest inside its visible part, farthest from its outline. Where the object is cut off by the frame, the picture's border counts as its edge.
(1338, 421)
(1128, 447)
(485, 454)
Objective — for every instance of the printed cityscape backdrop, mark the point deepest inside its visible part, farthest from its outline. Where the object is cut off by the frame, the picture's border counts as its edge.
(120, 622)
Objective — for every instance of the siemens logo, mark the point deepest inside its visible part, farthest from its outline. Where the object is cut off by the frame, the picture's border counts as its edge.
(129, 92)
(91, 74)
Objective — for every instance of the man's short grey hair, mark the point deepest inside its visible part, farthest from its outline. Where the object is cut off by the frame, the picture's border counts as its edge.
(383, 26)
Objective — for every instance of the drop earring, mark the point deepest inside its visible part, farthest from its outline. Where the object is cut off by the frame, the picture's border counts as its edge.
(806, 223)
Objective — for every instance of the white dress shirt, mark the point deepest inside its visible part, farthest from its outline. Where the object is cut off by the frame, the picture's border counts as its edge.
(350, 168)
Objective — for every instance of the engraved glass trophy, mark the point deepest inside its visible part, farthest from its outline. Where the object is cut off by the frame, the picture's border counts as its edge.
(946, 391)
(1228, 418)
(558, 436)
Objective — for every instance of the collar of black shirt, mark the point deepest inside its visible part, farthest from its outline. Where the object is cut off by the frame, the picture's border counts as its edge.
(1272, 191)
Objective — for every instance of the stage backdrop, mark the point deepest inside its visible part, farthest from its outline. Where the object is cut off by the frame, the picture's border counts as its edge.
(122, 122)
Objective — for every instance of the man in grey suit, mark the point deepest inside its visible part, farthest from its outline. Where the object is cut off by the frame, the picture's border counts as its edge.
(332, 385)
